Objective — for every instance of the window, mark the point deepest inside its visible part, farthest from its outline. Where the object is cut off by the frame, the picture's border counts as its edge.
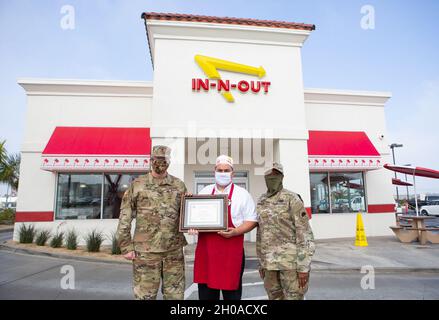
(319, 193)
(79, 196)
(115, 186)
(347, 192)
(344, 189)
(90, 196)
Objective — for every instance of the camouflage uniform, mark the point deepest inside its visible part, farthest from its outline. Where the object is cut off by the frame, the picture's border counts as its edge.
(155, 203)
(285, 244)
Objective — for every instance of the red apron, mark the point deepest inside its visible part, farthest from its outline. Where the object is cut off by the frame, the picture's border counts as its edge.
(218, 260)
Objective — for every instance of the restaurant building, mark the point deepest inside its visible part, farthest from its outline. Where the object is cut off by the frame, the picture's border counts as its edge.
(220, 86)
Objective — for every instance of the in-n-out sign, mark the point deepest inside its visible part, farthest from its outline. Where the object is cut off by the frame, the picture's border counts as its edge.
(210, 66)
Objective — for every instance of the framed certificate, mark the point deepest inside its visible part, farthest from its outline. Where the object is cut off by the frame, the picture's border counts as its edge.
(206, 213)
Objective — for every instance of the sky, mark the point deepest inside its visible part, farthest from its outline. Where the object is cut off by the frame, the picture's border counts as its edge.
(398, 55)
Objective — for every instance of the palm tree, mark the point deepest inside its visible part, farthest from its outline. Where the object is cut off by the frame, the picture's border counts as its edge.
(3, 155)
(9, 168)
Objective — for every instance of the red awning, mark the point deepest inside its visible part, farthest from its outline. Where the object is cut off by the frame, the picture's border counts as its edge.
(417, 171)
(341, 150)
(97, 149)
(398, 182)
(414, 171)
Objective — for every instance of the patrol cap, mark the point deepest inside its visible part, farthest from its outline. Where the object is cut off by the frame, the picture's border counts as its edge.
(161, 152)
(276, 166)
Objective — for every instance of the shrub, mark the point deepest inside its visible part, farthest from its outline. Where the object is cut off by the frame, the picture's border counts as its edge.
(94, 240)
(26, 234)
(7, 216)
(57, 240)
(41, 237)
(72, 240)
(115, 249)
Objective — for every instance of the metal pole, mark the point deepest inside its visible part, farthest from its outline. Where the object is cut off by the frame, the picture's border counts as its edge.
(393, 154)
(7, 197)
(407, 187)
(416, 197)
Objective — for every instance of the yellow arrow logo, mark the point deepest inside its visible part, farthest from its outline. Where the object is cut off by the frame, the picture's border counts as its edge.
(211, 65)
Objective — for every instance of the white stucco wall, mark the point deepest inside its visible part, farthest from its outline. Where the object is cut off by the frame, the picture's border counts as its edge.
(52, 103)
(337, 110)
(343, 225)
(208, 113)
(341, 110)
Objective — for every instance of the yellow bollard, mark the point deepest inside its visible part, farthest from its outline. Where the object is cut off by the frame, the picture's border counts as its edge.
(360, 237)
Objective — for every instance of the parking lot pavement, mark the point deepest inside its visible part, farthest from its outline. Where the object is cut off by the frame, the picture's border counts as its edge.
(36, 277)
(433, 222)
(5, 235)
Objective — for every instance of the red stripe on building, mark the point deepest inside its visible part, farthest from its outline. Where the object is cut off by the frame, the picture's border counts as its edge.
(380, 208)
(33, 216)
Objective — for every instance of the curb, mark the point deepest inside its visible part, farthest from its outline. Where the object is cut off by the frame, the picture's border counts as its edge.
(190, 260)
(11, 229)
(60, 255)
(380, 270)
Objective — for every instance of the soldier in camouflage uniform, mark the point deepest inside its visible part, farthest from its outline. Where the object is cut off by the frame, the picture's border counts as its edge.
(157, 246)
(285, 242)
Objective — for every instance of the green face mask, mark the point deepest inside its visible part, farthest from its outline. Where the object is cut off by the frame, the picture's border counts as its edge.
(274, 184)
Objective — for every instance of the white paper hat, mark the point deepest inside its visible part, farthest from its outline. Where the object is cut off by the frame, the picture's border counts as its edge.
(223, 159)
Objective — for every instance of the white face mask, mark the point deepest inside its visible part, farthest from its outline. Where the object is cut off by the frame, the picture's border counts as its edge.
(223, 178)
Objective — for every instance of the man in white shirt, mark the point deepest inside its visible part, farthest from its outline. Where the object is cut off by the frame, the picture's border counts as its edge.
(219, 257)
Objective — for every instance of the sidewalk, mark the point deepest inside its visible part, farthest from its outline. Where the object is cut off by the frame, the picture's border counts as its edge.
(382, 253)
(385, 254)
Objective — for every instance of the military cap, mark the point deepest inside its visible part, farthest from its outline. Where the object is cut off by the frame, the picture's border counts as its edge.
(276, 166)
(161, 151)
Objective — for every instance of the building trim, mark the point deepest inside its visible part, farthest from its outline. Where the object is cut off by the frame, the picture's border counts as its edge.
(184, 30)
(104, 163)
(346, 97)
(227, 20)
(381, 208)
(71, 87)
(230, 40)
(34, 216)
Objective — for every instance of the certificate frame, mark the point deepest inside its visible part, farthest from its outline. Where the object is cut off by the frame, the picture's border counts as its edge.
(193, 207)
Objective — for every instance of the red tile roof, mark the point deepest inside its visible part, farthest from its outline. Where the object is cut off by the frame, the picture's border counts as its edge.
(226, 20)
